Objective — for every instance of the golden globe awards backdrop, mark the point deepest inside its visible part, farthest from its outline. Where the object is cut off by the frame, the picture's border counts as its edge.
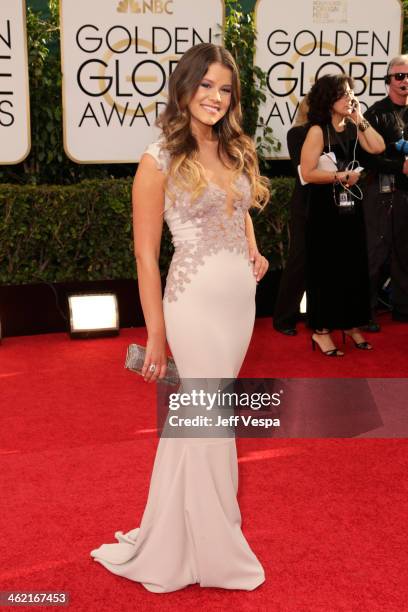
(300, 40)
(117, 56)
(15, 141)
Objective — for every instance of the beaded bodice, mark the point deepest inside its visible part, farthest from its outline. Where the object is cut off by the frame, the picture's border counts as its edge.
(201, 228)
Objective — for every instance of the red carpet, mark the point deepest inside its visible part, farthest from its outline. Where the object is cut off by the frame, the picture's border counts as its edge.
(327, 518)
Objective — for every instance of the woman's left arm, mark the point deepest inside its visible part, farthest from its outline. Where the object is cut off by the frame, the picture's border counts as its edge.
(370, 140)
(260, 263)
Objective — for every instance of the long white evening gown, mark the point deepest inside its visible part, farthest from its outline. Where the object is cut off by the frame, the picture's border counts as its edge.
(191, 527)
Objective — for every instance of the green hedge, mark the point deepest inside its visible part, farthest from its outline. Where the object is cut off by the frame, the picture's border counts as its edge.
(60, 233)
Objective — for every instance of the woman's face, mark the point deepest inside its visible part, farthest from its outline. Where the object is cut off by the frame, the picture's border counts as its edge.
(212, 97)
(344, 105)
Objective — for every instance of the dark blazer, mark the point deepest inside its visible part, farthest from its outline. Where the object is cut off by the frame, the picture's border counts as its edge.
(293, 283)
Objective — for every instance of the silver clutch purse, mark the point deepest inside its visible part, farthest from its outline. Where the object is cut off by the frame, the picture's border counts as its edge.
(135, 358)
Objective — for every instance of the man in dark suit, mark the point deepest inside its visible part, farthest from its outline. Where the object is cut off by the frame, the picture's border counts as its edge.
(386, 201)
(293, 281)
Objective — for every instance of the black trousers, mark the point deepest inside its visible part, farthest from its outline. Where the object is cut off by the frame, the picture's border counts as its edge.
(386, 219)
(293, 281)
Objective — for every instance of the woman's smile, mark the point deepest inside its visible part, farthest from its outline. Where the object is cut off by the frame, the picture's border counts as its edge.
(211, 108)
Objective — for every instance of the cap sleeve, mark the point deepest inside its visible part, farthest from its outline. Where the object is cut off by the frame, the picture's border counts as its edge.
(160, 156)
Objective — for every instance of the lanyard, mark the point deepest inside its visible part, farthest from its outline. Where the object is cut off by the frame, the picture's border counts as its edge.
(345, 200)
(345, 147)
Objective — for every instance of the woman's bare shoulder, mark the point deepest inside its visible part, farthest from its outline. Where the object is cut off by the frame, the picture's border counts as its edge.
(157, 152)
(315, 130)
(314, 135)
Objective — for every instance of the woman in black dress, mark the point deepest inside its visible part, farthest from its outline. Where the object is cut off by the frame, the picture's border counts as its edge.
(336, 256)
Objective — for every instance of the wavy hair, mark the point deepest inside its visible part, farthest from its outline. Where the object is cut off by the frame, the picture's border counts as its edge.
(175, 122)
(324, 93)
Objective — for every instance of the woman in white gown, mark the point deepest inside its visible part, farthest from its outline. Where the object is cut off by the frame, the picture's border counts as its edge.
(203, 175)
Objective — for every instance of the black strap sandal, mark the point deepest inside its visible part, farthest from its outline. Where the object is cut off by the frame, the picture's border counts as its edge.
(331, 352)
(364, 346)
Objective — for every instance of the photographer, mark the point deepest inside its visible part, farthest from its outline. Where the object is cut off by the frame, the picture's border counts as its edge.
(386, 201)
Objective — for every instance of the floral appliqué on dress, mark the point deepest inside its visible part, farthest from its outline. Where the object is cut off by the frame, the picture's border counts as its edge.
(201, 228)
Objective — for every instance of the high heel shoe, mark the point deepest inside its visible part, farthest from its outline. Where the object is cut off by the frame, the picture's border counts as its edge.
(364, 346)
(331, 352)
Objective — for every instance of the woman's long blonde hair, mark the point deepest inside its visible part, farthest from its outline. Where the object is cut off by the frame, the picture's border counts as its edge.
(175, 122)
(301, 113)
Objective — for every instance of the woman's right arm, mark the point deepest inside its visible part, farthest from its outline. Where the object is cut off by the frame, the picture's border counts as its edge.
(309, 159)
(148, 206)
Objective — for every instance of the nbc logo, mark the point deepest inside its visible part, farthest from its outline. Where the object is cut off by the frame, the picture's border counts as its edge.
(145, 6)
